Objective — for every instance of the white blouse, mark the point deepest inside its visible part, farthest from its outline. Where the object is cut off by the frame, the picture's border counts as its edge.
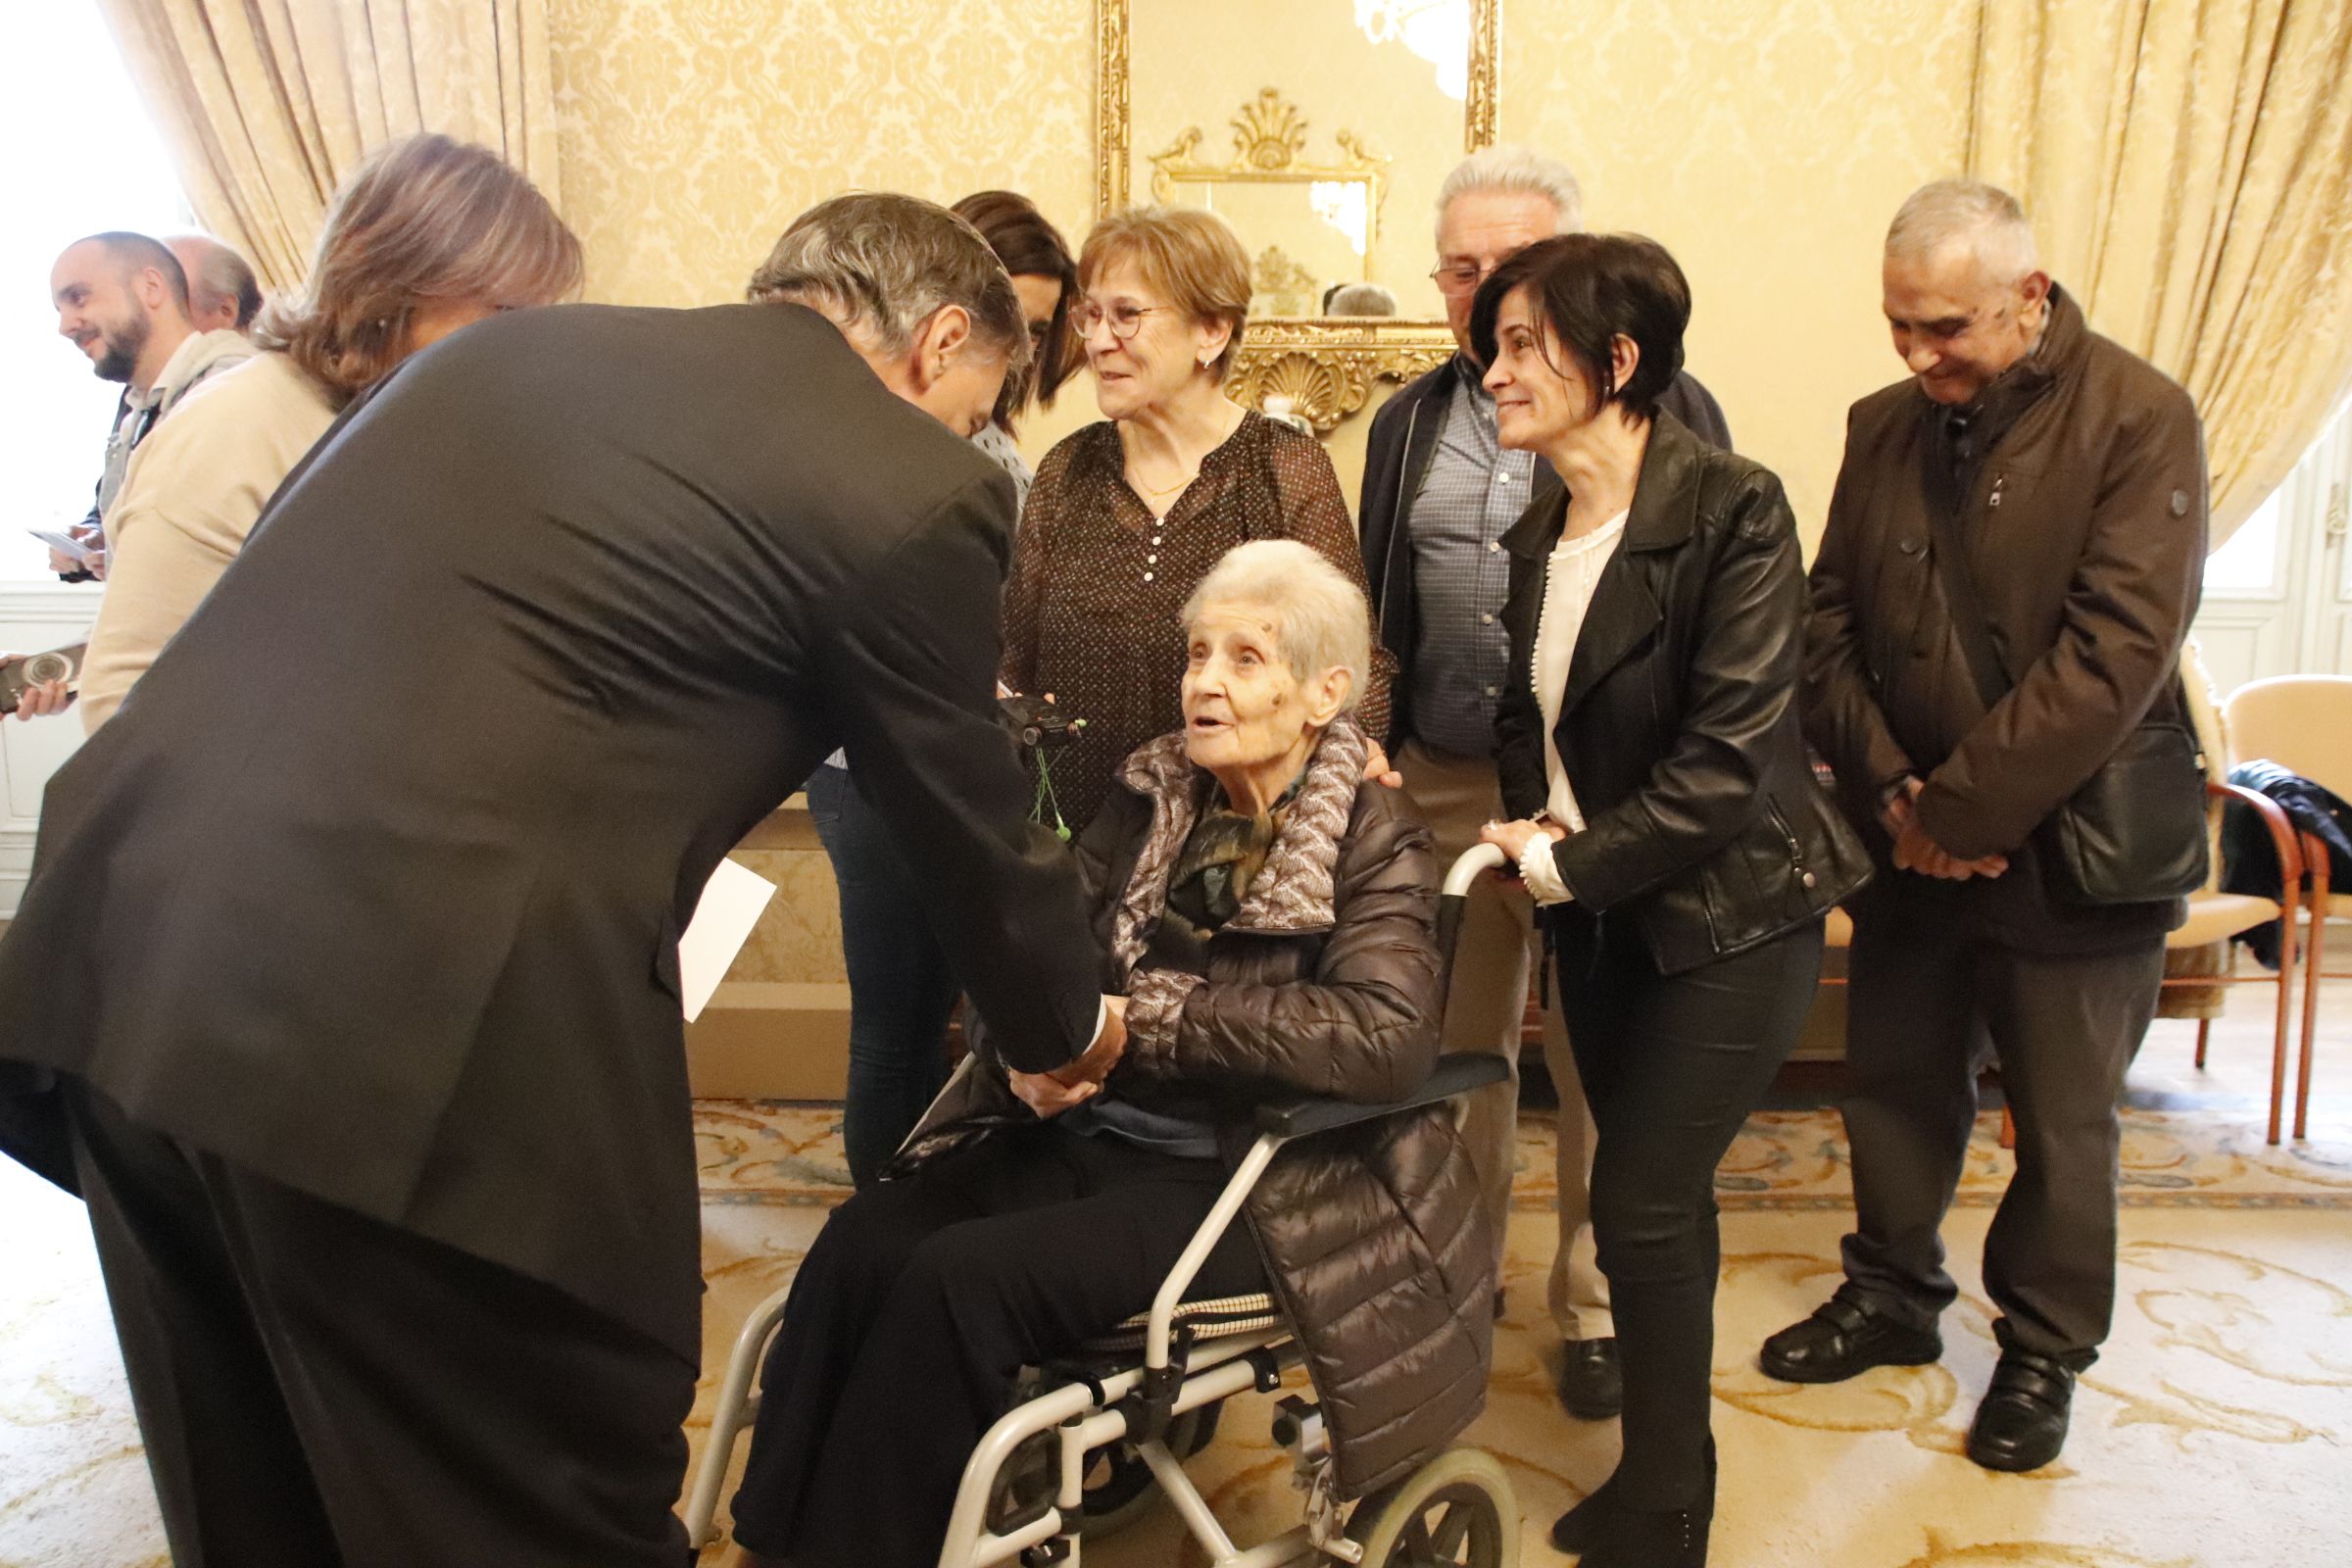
(1570, 575)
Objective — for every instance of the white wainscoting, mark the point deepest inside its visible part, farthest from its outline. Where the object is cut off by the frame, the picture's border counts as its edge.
(35, 617)
(2242, 639)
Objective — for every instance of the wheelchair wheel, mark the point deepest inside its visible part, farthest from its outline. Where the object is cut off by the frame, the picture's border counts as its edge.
(1120, 1488)
(1458, 1510)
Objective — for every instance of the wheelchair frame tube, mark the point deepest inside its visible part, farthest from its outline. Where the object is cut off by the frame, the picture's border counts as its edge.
(735, 1394)
(1204, 1240)
(971, 1545)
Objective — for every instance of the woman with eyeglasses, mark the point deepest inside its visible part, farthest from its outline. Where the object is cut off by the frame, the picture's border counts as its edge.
(902, 989)
(1129, 514)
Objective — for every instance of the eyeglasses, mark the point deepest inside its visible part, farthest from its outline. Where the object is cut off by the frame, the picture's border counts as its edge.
(1461, 277)
(1125, 319)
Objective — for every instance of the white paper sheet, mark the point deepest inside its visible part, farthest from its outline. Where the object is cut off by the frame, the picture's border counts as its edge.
(722, 923)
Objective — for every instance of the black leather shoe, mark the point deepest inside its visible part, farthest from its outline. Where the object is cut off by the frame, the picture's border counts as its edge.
(1844, 1337)
(1591, 1382)
(2021, 1423)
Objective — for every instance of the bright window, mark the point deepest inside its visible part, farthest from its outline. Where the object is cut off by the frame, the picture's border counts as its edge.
(2250, 562)
(85, 158)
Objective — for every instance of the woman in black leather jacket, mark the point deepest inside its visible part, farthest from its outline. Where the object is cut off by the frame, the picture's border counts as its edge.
(1668, 820)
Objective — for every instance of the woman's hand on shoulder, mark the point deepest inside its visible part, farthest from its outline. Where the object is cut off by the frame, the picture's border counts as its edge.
(1378, 770)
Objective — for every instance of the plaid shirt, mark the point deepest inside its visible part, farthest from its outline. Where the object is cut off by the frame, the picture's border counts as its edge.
(1472, 494)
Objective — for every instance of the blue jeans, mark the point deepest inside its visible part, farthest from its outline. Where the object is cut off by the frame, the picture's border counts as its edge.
(900, 988)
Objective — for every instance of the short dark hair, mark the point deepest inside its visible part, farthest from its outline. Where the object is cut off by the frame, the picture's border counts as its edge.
(1591, 289)
(138, 252)
(1029, 246)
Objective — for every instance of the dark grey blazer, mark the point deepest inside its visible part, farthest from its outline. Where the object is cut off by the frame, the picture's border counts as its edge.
(374, 885)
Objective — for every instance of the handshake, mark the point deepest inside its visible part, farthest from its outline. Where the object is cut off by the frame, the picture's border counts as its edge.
(1050, 1094)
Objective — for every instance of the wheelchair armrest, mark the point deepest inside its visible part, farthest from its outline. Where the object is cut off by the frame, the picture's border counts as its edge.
(1456, 1073)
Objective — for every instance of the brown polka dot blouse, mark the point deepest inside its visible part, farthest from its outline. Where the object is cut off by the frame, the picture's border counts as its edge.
(1093, 610)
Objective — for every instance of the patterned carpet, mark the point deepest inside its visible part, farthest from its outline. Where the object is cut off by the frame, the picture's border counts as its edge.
(2217, 1429)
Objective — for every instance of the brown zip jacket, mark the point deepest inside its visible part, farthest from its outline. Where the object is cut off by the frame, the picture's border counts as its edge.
(2089, 521)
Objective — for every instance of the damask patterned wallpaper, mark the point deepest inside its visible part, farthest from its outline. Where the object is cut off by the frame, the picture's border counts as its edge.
(694, 130)
(1765, 141)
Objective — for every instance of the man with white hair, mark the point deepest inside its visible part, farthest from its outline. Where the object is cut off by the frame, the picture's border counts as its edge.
(2013, 555)
(1438, 494)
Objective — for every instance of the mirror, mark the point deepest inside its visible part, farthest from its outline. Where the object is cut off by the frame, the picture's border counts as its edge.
(1321, 131)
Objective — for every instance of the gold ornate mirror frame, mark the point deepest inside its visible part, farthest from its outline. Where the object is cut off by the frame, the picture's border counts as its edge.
(1325, 366)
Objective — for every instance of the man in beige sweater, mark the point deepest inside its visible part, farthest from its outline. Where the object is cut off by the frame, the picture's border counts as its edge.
(122, 299)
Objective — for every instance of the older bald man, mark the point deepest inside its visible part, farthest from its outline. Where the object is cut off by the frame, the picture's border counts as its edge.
(223, 295)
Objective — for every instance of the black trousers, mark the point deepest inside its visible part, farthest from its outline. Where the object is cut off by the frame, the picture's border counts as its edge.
(917, 1304)
(320, 1389)
(1672, 1064)
(1925, 1002)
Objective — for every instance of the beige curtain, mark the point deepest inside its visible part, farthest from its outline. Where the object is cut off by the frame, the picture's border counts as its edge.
(2189, 165)
(269, 103)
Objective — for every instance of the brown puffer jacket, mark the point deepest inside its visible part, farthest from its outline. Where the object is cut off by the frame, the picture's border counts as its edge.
(1326, 982)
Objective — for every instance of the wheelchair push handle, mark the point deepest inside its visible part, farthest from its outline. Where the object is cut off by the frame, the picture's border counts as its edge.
(1454, 893)
(1464, 872)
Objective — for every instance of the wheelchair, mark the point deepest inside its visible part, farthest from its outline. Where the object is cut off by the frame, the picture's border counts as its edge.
(1102, 1435)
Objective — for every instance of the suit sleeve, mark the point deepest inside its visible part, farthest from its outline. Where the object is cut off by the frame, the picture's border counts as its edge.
(1745, 660)
(2118, 647)
(908, 677)
(1842, 718)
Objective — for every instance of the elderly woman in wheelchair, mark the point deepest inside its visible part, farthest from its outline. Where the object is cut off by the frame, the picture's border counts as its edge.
(1269, 915)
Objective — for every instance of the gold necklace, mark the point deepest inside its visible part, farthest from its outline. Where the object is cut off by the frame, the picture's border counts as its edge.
(1163, 490)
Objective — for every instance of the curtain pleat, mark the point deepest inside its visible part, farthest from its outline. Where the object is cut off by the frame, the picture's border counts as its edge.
(2188, 166)
(269, 103)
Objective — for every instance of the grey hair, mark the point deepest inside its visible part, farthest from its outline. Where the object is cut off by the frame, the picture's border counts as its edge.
(1320, 618)
(1986, 216)
(220, 277)
(882, 265)
(1512, 170)
(1361, 299)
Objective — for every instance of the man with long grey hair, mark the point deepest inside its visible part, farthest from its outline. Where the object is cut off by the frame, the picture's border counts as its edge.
(384, 1132)
(2013, 557)
(1438, 494)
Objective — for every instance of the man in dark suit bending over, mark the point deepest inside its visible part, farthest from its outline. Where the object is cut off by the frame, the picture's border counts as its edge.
(350, 949)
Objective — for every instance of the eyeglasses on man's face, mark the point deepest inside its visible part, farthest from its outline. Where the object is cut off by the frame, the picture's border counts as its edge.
(1124, 319)
(1459, 277)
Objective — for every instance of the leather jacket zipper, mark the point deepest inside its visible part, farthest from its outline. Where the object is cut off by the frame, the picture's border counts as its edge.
(1797, 851)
